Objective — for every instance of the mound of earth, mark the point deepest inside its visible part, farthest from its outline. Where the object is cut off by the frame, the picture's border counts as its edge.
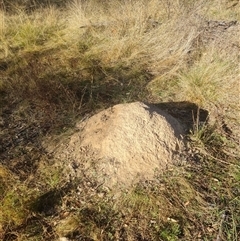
(124, 144)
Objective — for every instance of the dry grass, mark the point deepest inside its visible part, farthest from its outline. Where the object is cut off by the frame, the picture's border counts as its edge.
(59, 64)
(212, 80)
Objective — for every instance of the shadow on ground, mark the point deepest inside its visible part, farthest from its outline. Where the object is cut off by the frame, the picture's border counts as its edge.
(188, 114)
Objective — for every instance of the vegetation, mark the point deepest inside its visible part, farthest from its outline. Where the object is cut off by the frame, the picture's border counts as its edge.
(63, 60)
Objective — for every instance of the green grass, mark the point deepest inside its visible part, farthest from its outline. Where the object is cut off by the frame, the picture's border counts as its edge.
(61, 63)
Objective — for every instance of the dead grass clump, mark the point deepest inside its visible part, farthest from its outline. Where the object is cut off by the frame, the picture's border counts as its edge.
(210, 82)
(125, 36)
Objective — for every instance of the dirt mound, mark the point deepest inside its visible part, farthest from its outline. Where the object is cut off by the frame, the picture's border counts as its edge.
(124, 144)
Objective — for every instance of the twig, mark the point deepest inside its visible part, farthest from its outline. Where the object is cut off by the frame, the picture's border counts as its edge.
(223, 218)
(215, 158)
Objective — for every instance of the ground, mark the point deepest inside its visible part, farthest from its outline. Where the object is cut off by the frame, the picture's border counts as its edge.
(182, 57)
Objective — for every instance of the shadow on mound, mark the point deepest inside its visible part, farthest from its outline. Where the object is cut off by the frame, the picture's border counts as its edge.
(188, 114)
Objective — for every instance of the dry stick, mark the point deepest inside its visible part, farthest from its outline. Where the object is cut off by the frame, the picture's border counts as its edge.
(215, 158)
(81, 101)
(196, 120)
(219, 236)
